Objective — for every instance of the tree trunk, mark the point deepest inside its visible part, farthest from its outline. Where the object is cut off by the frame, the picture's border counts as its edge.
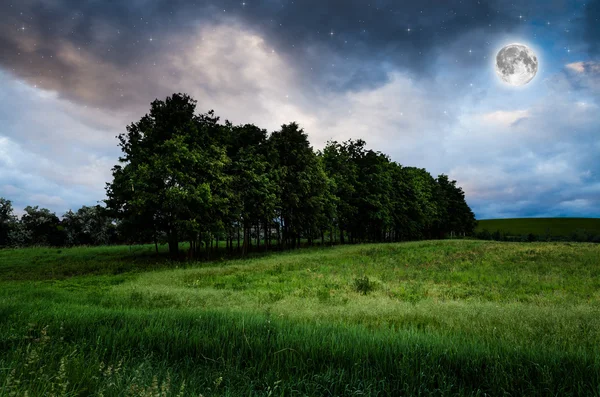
(257, 235)
(279, 234)
(267, 235)
(197, 245)
(245, 242)
(342, 237)
(173, 247)
(207, 244)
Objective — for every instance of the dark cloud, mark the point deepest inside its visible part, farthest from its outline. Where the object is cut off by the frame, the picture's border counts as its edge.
(71, 45)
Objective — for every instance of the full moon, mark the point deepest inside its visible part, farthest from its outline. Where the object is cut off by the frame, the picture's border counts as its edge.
(516, 64)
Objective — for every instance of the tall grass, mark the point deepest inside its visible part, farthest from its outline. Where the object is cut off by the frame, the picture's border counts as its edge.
(437, 318)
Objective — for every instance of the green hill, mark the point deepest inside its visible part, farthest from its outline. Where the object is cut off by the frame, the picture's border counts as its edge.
(556, 227)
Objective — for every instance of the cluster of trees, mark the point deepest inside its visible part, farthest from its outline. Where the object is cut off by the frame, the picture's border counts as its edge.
(38, 226)
(185, 177)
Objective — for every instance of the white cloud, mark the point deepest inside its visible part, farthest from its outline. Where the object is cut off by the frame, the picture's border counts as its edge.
(505, 118)
(584, 67)
(576, 67)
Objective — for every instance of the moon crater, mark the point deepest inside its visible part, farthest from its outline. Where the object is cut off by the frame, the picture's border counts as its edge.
(516, 64)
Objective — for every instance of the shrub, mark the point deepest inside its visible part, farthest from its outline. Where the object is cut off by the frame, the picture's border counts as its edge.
(363, 285)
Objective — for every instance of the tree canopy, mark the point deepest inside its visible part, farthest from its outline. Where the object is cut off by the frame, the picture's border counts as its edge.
(187, 177)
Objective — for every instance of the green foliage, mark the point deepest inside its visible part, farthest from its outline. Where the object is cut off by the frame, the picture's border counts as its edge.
(7, 222)
(189, 178)
(379, 200)
(88, 226)
(173, 169)
(185, 177)
(301, 181)
(42, 227)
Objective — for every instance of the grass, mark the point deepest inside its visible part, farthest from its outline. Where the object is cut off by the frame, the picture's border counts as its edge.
(557, 227)
(425, 318)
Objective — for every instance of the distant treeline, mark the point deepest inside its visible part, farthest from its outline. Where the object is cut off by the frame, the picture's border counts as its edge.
(185, 177)
(39, 226)
(581, 235)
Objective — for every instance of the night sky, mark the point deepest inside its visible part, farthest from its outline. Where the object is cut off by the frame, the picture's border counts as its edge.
(414, 79)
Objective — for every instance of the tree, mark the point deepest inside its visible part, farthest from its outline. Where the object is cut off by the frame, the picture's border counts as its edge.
(373, 197)
(7, 221)
(455, 214)
(254, 188)
(186, 177)
(170, 169)
(422, 208)
(42, 227)
(88, 226)
(300, 182)
(343, 174)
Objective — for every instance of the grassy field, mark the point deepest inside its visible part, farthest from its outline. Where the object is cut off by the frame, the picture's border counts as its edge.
(439, 318)
(558, 227)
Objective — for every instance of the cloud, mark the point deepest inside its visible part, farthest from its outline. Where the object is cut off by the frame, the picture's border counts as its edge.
(520, 161)
(52, 152)
(505, 118)
(583, 76)
(93, 53)
(578, 67)
(534, 167)
(81, 71)
(51, 144)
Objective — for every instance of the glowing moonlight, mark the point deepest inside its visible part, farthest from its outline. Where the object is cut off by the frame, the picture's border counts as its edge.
(516, 64)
